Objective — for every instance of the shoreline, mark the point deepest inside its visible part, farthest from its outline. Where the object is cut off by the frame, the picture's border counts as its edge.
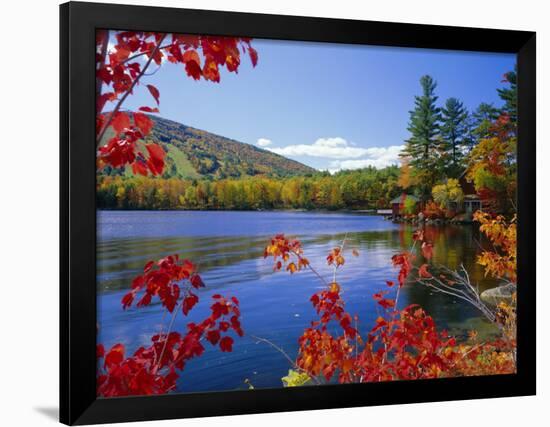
(358, 211)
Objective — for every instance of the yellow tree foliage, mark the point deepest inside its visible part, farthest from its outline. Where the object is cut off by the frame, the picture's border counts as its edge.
(448, 192)
(492, 169)
(406, 179)
(500, 263)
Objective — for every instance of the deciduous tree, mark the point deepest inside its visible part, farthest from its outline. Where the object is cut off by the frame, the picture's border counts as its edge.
(120, 70)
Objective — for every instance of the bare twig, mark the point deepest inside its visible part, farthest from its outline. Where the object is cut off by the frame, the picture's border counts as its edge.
(341, 252)
(285, 354)
(146, 52)
(399, 287)
(461, 289)
(315, 272)
(275, 346)
(174, 314)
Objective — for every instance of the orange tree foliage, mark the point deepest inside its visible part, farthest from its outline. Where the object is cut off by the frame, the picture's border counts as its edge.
(402, 344)
(119, 71)
(492, 163)
(406, 178)
(492, 173)
(502, 262)
(154, 369)
(433, 210)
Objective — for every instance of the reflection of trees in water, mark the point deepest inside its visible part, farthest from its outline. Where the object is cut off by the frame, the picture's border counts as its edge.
(454, 245)
(222, 258)
(120, 260)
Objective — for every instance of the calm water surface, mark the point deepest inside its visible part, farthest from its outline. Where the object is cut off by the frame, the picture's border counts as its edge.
(228, 247)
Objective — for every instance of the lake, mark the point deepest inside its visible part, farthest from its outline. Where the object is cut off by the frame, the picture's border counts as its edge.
(228, 248)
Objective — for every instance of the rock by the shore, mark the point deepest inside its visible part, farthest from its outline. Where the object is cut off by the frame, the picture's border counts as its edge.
(463, 218)
(495, 296)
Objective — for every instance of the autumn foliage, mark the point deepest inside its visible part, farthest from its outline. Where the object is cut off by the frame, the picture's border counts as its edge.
(502, 261)
(402, 344)
(492, 163)
(174, 282)
(155, 369)
(120, 69)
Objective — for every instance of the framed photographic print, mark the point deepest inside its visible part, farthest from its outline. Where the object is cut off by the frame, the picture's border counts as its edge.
(272, 213)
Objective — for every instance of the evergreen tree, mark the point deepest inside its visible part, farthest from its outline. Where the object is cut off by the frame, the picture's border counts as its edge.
(485, 113)
(483, 117)
(454, 131)
(510, 95)
(424, 144)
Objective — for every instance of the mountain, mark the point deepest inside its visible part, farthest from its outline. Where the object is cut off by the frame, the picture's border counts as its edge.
(194, 153)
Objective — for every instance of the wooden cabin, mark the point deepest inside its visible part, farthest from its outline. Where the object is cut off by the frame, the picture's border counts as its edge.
(471, 202)
(397, 204)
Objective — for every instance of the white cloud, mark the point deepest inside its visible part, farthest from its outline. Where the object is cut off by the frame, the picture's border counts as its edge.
(379, 157)
(264, 142)
(331, 142)
(344, 154)
(330, 148)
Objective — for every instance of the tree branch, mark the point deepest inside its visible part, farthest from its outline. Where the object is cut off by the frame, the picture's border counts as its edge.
(280, 350)
(130, 89)
(144, 53)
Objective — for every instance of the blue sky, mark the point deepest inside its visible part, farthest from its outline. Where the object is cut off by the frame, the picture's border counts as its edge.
(326, 105)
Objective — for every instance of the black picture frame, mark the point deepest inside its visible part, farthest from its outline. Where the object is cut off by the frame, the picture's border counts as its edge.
(78, 402)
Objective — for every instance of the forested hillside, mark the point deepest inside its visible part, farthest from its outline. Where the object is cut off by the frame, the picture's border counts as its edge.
(194, 153)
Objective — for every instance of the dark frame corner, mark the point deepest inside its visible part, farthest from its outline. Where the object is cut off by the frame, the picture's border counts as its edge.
(78, 21)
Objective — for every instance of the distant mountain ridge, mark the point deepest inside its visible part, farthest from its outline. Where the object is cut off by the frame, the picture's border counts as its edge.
(194, 153)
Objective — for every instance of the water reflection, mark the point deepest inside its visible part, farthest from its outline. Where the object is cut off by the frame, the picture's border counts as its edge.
(274, 306)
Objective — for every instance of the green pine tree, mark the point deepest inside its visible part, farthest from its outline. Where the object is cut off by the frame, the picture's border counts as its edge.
(455, 134)
(424, 144)
(510, 95)
(483, 118)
